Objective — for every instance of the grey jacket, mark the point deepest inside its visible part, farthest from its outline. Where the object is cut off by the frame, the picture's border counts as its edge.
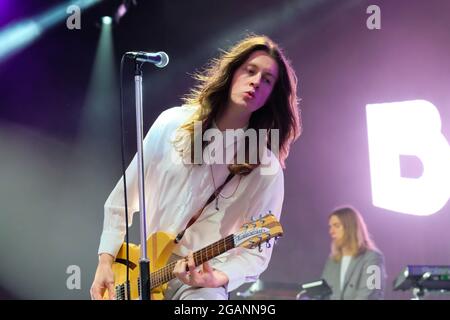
(364, 280)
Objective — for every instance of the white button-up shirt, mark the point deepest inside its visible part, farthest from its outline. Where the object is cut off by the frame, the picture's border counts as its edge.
(175, 192)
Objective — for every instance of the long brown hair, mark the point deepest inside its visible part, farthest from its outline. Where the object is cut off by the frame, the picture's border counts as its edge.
(212, 92)
(356, 235)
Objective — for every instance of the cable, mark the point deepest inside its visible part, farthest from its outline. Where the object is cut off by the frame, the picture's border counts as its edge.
(122, 133)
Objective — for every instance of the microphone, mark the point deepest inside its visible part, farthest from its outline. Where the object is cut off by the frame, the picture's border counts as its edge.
(159, 59)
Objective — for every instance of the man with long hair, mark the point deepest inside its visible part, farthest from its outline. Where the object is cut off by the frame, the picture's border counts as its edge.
(355, 269)
(250, 87)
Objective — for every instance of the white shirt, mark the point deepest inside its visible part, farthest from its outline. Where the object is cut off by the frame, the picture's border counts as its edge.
(175, 192)
(345, 262)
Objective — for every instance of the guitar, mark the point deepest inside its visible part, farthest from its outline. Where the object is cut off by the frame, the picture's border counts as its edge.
(159, 249)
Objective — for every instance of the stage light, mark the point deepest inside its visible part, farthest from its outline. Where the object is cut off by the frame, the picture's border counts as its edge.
(107, 20)
(17, 36)
(123, 9)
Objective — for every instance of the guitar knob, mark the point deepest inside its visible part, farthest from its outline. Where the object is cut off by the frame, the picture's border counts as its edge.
(268, 245)
(259, 248)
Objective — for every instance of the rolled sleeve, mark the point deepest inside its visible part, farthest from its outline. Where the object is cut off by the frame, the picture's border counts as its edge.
(110, 242)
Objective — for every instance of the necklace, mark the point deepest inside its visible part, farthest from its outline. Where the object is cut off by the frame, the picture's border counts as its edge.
(218, 190)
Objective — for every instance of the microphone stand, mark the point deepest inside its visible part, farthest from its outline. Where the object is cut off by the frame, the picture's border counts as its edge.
(144, 262)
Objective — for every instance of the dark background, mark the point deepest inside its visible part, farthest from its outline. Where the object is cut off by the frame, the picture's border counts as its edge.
(60, 129)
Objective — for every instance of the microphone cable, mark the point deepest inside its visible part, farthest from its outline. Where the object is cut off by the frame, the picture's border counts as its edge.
(122, 147)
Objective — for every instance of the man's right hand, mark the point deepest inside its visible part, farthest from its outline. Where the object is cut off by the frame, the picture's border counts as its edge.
(104, 278)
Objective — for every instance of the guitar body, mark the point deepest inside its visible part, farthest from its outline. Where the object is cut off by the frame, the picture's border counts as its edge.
(159, 249)
(160, 246)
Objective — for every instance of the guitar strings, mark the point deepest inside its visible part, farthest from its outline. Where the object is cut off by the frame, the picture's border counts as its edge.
(165, 274)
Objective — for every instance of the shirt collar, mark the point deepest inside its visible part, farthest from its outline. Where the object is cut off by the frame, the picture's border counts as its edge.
(230, 141)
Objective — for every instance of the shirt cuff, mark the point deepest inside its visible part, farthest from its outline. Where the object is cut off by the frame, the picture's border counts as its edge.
(233, 271)
(110, 242)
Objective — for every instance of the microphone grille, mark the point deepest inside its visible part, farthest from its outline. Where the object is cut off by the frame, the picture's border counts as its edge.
(164, 60)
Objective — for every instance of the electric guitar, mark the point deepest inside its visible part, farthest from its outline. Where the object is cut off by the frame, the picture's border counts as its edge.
(159, 249)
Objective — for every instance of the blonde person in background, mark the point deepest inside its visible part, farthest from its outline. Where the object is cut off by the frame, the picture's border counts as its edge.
(355, 269)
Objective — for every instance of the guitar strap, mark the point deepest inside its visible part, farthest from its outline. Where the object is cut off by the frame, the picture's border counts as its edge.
(214, 195)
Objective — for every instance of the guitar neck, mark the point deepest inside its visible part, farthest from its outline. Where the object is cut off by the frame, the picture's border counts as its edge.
(165, 274)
